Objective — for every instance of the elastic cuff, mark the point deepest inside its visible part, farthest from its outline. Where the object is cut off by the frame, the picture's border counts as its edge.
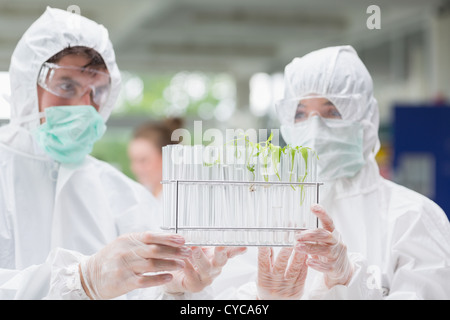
(74, 283)
(65, 280)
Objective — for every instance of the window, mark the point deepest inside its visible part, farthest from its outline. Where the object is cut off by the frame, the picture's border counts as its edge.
(265, 91)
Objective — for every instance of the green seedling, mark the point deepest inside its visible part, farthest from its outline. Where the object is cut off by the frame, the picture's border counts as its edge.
(267, 151)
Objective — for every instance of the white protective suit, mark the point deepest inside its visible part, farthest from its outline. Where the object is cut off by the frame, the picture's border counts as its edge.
(50, 214)
(402, 238)
(398, 240)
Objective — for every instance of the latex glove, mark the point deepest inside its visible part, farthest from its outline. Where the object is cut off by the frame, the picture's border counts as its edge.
(328, 254)
(281, 279)
(201, 269)
(120, 267)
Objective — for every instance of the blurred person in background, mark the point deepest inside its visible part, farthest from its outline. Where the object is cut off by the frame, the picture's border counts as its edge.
(145, 152)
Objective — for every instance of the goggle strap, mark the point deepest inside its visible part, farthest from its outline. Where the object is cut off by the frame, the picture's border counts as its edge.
(28, 118)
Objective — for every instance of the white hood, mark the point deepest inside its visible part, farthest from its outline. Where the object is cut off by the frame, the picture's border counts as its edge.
(54, 31)
(338, 73)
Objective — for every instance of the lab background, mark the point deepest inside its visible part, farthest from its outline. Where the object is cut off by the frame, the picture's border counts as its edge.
(221, 62)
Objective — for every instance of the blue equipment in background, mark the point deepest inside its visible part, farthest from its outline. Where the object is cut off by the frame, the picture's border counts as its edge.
(421, 146)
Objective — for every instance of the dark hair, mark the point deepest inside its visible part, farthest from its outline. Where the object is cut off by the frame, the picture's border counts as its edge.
(95, 59)
(159, 133)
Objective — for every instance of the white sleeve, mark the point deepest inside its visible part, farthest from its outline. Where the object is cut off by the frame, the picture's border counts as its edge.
(57, 278)
(65, 283)
(26, 284)
(419, 263)
(364, 285)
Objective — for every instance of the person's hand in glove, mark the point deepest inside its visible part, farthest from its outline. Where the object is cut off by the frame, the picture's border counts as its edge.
(120, 267)
(279, 279)
(201, 269)
(328, 254)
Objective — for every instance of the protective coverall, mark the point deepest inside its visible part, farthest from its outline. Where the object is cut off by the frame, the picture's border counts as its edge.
(397, 239)
(51, 215)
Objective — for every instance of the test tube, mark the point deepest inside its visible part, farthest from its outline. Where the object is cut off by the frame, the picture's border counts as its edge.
(228, 214)
(241, 216)
(208, 196)
(165, 191)
(218, 202)
(252, 197)
(191, 214)
(198, 206)
(284, 194)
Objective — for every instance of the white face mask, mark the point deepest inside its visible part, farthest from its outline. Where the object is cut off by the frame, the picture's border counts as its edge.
(338, 143)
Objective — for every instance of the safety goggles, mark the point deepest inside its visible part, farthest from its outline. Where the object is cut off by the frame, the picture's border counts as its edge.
(295, 110)
(74, 82)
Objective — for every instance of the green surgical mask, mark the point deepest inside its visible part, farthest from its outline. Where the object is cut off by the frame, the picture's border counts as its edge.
(69, 132)
(338, 144)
